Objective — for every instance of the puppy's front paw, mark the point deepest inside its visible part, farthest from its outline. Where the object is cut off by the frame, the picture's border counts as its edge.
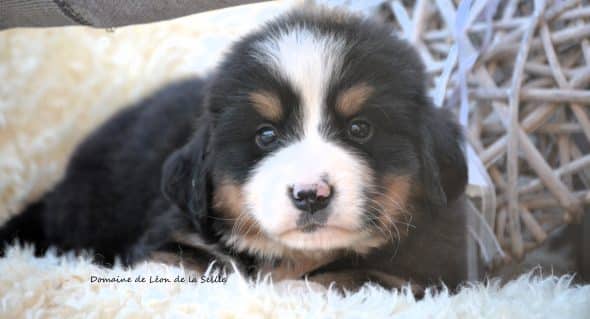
(353, 280)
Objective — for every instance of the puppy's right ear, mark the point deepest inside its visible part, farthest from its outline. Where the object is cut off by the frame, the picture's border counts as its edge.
(185, 176)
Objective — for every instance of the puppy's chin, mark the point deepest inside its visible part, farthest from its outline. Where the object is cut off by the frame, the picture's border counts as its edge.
(322, 238)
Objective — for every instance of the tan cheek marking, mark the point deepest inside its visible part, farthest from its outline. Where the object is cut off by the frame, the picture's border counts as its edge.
(267, 104)
(393, 203)
(228, 200)
(350, 101)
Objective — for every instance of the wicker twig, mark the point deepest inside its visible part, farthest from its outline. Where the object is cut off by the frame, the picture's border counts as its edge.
(528, 95)
(567, 169)
(514, 128)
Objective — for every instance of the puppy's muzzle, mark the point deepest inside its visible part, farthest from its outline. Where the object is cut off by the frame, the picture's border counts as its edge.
(311, 198)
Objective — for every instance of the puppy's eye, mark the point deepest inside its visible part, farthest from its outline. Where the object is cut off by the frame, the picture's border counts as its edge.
(267, 137)
(360, 130)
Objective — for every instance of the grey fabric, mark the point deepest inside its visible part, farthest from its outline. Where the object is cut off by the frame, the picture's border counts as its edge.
(31, 13)
(101, 13)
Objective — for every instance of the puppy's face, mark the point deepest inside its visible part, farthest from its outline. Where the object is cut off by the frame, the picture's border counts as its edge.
(317, 136)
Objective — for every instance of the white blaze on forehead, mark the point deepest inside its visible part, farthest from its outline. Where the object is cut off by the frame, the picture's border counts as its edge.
(308, 60)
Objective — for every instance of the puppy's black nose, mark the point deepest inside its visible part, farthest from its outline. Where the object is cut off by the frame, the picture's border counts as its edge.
(311, 197)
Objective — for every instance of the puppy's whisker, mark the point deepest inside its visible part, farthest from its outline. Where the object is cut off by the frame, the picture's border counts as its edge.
(250, 225)
(402, 209)
(403, 212)
(220, 218)
(388, 217)
(394, 201)
(380, 211)
(397, 207)
(381, 227)
(240, 223)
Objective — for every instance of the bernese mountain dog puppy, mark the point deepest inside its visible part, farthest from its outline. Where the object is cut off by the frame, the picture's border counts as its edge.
(312, 152)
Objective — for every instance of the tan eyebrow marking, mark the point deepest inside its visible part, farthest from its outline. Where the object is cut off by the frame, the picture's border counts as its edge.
(350, 101)
(267, 104)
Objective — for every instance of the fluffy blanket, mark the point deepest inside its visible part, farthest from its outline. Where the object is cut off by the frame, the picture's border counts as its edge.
(58, 84)
(63, 287)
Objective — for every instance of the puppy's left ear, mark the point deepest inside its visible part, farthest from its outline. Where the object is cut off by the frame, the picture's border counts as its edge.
(185, 178)
(444, 168)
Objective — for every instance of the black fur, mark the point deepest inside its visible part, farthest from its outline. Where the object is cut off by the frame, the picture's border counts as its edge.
(110, 196)
(150, 171)
(185, 177)
(25, 227)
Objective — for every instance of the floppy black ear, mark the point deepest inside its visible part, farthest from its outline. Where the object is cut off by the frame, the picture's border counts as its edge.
(444, 168)
(185, 178)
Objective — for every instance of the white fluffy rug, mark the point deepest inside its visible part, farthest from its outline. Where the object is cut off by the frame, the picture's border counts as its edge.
(57, 84)
(60, 287)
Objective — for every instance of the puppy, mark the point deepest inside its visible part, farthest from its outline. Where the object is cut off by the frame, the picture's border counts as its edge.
(312, 151)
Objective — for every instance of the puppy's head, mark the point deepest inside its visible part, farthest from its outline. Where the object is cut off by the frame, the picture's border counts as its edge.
(318, 136)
